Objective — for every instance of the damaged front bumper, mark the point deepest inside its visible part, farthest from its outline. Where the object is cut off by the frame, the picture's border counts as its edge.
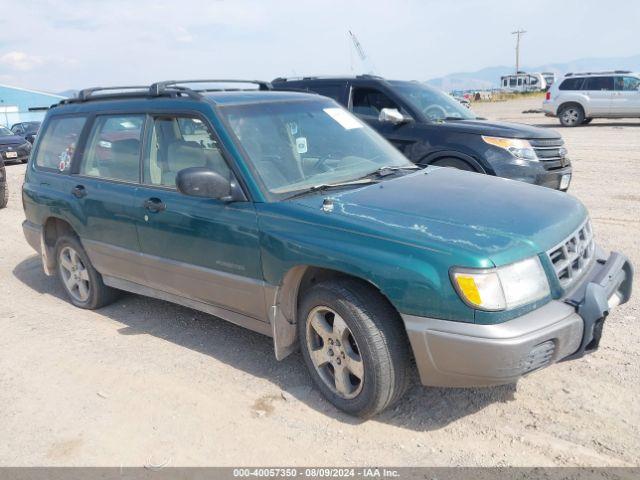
(458, 354)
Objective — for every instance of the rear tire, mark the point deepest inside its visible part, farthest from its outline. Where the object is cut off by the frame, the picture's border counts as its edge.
(354, 346)
(571, 115)
(82, 283)
(4, 195)
(456, 163)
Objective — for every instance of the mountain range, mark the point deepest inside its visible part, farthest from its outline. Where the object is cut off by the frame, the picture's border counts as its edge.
(490, 77)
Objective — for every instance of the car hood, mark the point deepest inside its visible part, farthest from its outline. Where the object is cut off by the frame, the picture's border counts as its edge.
(490, 218)
(11, 140)
(502, 129)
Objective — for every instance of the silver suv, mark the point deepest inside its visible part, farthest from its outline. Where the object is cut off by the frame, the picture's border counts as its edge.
(581, 97)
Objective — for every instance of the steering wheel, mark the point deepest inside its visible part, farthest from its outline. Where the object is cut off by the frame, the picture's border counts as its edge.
(435, 112)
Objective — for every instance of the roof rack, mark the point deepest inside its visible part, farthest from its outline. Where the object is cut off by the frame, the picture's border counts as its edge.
(172, 88)
(159, 88)
(325, 77)
(610, 72)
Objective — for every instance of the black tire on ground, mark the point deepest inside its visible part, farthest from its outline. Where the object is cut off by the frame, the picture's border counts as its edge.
(571, 115)
(4, 187)
(587, 121)
(97, 293)
(4, 195)
(375, 341)
(456, 163)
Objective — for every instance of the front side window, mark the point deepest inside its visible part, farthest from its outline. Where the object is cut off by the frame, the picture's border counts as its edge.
(176, 143)
(295, 145)
(627, 84)
(370, 102)
(113, 149)
(598, 83)
(433, 103)
(513, 82)
(58, 143)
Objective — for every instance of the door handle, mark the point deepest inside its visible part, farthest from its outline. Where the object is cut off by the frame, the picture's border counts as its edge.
(154, 205)
(79, 191)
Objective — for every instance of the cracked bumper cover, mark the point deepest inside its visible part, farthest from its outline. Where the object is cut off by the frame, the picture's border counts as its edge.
(457, 354)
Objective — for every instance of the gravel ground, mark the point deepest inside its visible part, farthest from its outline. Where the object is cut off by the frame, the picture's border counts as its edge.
(144, 382)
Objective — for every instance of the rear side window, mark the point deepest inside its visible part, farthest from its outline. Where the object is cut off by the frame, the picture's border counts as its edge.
(113, 149)
(572, 84)
(598, 83)
(59, 143)
(332, 91)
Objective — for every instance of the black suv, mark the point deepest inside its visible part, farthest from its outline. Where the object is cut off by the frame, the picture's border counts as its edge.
(432, 128)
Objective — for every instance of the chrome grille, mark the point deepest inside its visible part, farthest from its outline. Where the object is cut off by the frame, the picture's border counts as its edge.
(573, 256)
(551, 152)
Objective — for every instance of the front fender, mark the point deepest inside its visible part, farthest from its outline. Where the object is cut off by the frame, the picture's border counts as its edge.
(413, 279)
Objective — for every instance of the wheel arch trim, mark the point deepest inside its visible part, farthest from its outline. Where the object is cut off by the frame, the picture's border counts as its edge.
(442, 154)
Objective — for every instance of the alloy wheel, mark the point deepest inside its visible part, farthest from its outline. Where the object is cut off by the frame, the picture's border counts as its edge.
(570, 116)
(334, 352)
(75, 275)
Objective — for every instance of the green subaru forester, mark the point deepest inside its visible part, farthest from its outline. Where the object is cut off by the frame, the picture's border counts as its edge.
(283, 213)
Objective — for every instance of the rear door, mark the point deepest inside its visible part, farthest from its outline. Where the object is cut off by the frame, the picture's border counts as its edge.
(600, 93)
(201, 249)
(626, 97)
(104, 187)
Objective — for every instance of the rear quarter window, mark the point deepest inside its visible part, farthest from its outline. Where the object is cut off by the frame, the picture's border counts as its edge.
(58, 143)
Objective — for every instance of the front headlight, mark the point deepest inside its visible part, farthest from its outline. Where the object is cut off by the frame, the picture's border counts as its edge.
(502, 288)
(517, 147)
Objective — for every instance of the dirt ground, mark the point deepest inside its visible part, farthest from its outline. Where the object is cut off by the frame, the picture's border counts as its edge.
(144, 382)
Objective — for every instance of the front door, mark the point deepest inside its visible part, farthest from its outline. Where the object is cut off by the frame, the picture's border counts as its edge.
(202, 249)
(367, 103)
(626, 97)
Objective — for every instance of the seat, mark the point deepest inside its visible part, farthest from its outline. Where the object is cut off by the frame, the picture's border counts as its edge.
(124, 163)
(181, 155)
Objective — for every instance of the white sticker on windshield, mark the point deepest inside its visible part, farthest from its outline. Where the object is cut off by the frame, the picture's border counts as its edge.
(344, 118)
(301, 145)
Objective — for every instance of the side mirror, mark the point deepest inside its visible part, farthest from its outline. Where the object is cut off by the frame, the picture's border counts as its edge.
(205, 183)
(391, 115)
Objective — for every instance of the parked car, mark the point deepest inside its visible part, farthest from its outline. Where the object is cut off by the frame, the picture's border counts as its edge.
(27, 130)
(431, 128)
(581, 97)
(284, 213)
(4, 189)
(13, 148)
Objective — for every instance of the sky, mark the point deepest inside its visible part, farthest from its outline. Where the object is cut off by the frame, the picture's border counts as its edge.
(72, 44)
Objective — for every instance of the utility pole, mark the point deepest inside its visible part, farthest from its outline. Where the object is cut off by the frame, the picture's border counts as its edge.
(518, 34)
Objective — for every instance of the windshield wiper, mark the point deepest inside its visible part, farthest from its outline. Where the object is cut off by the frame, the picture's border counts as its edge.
(390, 170)
(328, 186)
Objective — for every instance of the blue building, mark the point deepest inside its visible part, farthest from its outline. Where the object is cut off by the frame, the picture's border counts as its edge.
(23, 105)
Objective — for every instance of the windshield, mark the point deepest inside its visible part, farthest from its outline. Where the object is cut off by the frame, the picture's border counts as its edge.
(5, 131)
(433, 103)
(298, 145)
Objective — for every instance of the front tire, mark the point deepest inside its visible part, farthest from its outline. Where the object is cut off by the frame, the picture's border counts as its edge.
(354, 346)
(571, 115)
(82, 283)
